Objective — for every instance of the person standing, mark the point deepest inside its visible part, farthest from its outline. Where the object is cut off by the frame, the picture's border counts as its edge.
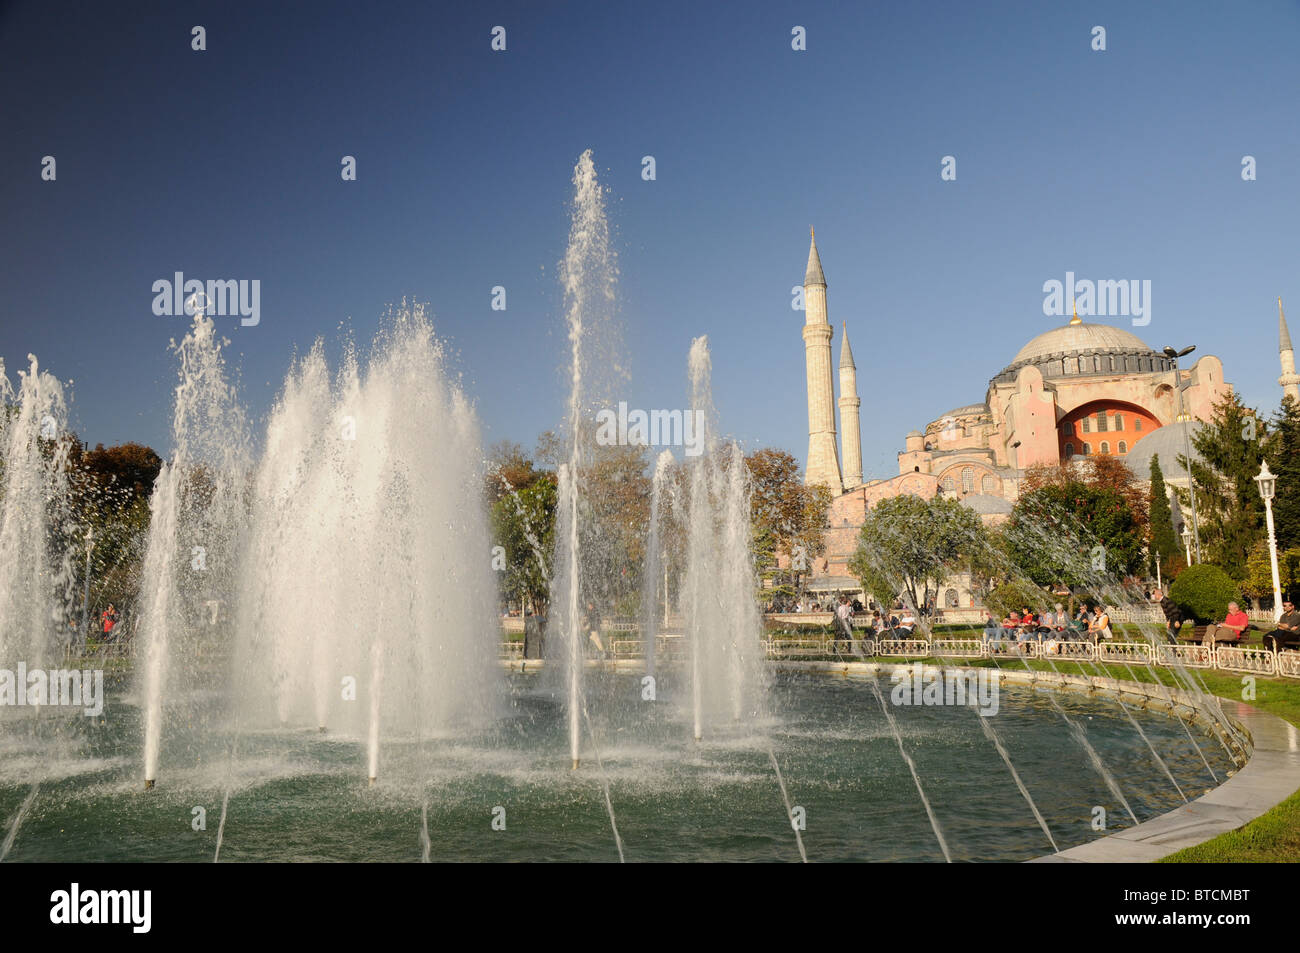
(593, 629)
(534, 635)
(844, 618)
(1173, 615)
(109, 619)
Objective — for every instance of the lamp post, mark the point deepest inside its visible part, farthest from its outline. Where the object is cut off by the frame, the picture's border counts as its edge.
(1187, 435)
(1268, 489)
(1187, 541)
(85, 595)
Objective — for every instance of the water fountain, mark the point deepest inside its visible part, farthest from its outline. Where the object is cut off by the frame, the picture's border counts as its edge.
(322, 606)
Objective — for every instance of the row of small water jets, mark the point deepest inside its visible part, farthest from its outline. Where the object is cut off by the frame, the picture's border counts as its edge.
(1067, 538)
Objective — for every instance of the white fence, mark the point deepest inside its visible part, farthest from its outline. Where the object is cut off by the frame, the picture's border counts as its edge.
(1255, 660)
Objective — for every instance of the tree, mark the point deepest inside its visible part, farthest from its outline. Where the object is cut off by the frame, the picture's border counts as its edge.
(523, 524)
(1203, 592)
(1284, 460)
(1069, 532)
(1258, 583)
(1161, 538)
(1230, 513)
(911, 545)
(788, 518)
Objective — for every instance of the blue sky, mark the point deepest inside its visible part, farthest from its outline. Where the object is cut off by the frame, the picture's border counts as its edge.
(225, 164)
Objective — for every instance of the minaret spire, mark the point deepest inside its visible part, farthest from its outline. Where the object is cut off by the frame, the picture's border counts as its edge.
(1290, 380)
(850, 416)
(823, 463)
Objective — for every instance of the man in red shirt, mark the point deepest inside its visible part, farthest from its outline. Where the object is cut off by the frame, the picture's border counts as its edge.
(1230, 629)
(110, 619)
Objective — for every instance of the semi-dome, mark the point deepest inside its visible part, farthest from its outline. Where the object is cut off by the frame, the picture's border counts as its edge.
(1077, 350)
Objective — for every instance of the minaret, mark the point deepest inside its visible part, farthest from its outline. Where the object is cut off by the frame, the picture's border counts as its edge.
(1289, 380)
(850, 420)
(823, 463)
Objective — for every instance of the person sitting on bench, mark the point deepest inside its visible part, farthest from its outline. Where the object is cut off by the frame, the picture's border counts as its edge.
(1099, 625)
(1287, 632)
(1231, 629)
(906, 625)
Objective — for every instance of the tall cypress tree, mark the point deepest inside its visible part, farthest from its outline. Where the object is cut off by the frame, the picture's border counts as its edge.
(1229, 508)
(1161, 538)
(1284, 460)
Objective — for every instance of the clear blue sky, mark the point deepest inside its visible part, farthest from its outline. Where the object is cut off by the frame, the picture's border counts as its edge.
(225, 164)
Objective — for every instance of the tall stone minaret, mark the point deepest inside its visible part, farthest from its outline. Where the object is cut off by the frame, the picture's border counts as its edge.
(850, 421)
(1289, 380)
(823, 464)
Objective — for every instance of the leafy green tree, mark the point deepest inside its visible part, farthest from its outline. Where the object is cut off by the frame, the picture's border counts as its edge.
(911, 545)
(523, 524)
(1055, 531)
(1161, 539)
(1230, 513)
(789, 518)
(1284, 460)
(1203, 592)
(1258, 583)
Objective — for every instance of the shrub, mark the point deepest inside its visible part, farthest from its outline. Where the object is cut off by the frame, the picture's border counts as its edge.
(1015, 596)
(1203, 592)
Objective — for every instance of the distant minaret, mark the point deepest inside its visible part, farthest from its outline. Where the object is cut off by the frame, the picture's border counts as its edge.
(1289, 380)
(823, 464)
(850, 421)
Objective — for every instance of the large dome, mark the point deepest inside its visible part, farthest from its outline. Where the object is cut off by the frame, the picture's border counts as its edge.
(1075, 338)
(1081, 350)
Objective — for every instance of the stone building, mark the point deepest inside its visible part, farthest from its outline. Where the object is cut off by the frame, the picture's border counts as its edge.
(1071, 391)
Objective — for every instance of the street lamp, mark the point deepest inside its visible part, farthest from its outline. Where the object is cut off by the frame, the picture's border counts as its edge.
(1187, 435)
(1268, 489)
(1187, 541)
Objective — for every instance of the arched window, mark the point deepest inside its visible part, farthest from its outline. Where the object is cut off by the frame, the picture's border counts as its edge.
(1105, 446)
(988, 484)
(1101, 421)
(1112, 362)
(950, 598)
(949, 484)
(1137, 423)
(1067, 429)
(1119, 421)
(1086, 426)
(1123, 446)
(1069, 450)
(967, 480)
(1085, 450)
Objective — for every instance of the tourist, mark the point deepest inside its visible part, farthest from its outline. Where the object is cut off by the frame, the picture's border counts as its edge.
(1287, 632)
(993, 631)
(593, 629)
(1173, 615)
(1231, 629)
(906, 625)
(534, 635)
(109, 618)
(844, 620)
(1099, 627)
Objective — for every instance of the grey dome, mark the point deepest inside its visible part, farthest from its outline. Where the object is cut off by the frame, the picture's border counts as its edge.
(1169, 442)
